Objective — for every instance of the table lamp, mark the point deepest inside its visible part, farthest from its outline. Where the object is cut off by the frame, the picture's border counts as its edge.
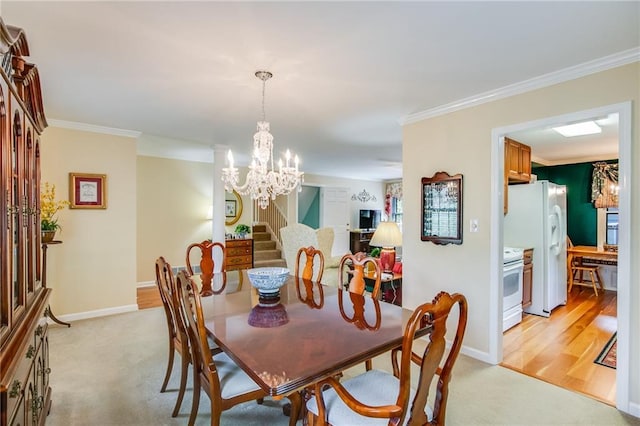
(387, 236)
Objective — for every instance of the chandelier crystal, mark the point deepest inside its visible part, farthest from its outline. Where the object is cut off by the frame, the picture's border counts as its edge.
(263, 181)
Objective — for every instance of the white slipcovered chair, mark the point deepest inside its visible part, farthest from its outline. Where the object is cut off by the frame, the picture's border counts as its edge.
(298, 235)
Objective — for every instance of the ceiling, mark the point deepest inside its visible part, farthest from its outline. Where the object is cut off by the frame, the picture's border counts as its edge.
(346, 74)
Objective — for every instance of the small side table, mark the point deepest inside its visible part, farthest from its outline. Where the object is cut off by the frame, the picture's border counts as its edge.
(44, 278)
(390, 286)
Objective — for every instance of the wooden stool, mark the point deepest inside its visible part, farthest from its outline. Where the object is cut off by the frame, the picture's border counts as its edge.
(594, 277)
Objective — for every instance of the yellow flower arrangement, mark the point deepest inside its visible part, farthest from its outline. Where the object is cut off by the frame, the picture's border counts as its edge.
(49, 207)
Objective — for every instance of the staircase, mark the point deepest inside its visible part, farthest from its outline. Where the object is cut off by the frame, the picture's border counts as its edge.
(265, 251)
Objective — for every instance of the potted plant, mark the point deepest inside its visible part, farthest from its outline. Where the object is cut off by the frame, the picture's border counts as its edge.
(242, 230)
(48, 209)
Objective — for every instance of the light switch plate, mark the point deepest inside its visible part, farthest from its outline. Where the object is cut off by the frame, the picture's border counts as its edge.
(473, 225)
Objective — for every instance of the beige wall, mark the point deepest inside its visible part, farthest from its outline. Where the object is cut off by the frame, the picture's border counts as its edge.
(95, 267)
(174, 197)
(460, 142)
(172, 203)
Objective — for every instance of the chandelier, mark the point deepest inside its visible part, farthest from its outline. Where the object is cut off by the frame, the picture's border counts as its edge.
(263, 182)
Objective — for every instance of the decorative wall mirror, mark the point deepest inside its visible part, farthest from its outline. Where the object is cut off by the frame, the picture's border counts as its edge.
(442, 209)
(232, 207)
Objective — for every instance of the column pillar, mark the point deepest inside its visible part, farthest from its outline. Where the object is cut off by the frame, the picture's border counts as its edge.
(218, 229)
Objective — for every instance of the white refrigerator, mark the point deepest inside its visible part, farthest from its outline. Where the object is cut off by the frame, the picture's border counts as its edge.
(537, 218)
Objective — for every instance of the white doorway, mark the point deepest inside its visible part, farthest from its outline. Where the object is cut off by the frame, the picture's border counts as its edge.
(624, 283)
(335, 212)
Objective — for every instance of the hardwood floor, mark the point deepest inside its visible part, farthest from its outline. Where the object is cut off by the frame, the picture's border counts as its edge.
(561, 349)
(148, 297)
(558, 350)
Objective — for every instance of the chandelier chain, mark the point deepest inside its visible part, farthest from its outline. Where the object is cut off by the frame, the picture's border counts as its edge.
(264, 114)
(264, 183)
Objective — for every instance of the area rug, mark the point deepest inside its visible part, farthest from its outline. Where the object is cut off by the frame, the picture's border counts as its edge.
(607, 356)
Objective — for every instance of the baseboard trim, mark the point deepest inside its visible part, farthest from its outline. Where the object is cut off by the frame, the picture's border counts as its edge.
(145, 284)
(476, 354)
(466, 350)
(634, 409)
(97, 313)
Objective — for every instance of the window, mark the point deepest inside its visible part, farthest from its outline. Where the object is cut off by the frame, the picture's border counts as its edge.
(607, 231)
(396, 211)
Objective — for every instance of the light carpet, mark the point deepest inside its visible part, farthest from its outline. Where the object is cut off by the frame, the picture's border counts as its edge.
(108, 371)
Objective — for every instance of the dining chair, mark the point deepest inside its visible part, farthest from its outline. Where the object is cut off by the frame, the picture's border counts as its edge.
(178, 339)
(310, 253)
(576, 267)
(207, 264)
(354, 265)
(219, 376)
(376, 396)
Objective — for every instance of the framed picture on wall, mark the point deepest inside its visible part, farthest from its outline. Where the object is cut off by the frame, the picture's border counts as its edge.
(87, 191)
(230, 208)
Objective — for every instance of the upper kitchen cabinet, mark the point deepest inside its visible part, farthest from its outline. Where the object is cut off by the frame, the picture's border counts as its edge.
(517, 166)
(517, 161)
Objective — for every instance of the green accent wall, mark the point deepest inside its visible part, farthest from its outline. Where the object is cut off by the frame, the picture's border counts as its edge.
(582, 220)
(312, 218)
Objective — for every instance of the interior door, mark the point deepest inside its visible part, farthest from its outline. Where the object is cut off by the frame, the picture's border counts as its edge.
(335, 213)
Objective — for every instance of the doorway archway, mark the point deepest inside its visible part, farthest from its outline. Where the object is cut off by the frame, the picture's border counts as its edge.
(624, 273)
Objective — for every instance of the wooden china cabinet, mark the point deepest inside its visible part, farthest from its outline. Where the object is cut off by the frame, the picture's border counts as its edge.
(25, 394)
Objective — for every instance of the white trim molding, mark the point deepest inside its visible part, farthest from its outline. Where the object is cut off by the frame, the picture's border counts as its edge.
(93, 128)
(145, 284)
(625, 286)
(97, 313)
(608, 62)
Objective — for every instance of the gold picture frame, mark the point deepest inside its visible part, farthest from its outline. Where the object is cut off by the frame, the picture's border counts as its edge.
(87, 191)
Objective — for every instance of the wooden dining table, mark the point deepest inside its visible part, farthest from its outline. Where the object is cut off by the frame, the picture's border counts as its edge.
(310, 333)
(589, 252)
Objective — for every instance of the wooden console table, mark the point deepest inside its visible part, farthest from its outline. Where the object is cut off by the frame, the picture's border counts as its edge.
(44, 279)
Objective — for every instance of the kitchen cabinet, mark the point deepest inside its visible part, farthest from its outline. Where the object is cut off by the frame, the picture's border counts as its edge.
(517, 161)
(517, 166)
(527, 277)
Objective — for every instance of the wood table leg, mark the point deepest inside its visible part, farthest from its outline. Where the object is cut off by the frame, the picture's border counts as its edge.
(297, 404)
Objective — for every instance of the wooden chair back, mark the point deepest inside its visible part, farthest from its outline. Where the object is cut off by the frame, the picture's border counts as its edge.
(178, 338)
(356, 266)
(310, 253)
(207, 265)
(432, 315)
(169, 295)
(191, 310)
(164, 278)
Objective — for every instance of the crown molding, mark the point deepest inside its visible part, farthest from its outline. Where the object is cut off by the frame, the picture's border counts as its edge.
(608, 62)
(93, 128)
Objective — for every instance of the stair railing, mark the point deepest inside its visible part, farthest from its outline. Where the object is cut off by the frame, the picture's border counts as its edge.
(272, 217)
